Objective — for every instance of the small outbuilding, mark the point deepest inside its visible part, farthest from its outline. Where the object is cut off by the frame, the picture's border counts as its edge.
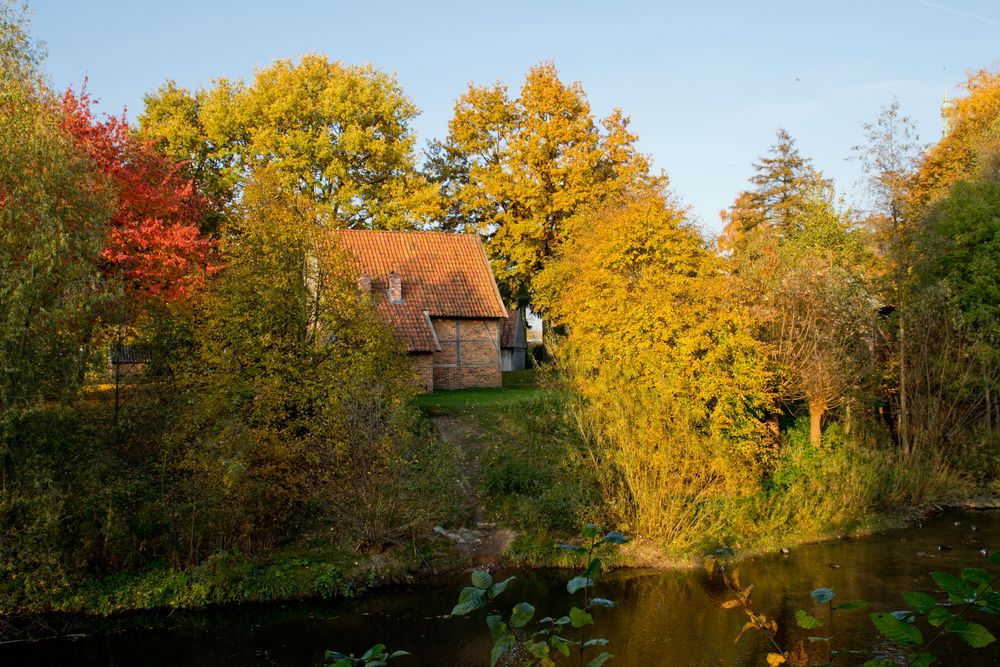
(128, 361)
(513, 341)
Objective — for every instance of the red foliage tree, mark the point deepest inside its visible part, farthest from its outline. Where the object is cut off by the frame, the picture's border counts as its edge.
(155, 246)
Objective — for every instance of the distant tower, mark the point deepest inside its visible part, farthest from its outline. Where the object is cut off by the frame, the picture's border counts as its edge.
(946, 107)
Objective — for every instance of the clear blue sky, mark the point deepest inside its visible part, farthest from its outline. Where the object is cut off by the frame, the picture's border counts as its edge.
(706, 83)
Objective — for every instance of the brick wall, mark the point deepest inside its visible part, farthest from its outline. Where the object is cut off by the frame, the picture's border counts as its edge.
(423, 365)
(469, 354)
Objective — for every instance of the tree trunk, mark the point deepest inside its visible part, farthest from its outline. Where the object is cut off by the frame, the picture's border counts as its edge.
(816, 410)
(903, 423)
(903, 427)
(774, 433)
(989, 412)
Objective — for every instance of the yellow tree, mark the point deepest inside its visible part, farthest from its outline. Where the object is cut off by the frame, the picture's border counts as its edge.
(972, 141)
(675, 389)
(338, 134)
(515, 169)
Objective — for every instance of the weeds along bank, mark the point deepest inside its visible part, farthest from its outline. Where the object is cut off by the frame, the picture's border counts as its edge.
(98, 524)
(545, 471)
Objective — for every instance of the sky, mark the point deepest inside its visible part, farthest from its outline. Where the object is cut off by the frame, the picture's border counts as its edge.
(706, 83)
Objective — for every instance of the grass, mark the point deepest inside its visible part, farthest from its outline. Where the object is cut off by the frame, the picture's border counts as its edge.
(518, 387)
(520, 379)
(309, 568)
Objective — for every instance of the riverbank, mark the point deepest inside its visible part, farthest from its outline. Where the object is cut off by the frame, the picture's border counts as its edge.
(526, 484)
(324, 573)
(535, 476)
(675, 613)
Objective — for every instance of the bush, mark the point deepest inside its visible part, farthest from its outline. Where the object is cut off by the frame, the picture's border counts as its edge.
(538, 355)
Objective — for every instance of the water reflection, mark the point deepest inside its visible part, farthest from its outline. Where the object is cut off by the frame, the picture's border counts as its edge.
(664, 618)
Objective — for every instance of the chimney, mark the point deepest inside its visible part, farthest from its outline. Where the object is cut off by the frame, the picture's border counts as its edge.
(395, 288)
(365, 284)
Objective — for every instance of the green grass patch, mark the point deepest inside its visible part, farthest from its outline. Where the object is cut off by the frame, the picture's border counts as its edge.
(474, 400)
(520, 379)
(536, 476)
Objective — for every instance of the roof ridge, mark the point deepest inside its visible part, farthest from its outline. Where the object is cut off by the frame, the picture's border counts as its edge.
(405, 231)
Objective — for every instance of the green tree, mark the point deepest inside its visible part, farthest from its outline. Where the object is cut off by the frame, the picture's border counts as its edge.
(20, 55)
(955, 346)
(54, 213)
(516, 169)
(888, 160)
(297, 392)
(783, 184)
(339, 134)
(961, 246)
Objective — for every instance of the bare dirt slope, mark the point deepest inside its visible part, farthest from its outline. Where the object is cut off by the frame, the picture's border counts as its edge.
(483, 542)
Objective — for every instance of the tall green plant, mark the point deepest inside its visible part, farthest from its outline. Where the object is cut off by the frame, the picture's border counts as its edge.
(296, 392)
(552, 636)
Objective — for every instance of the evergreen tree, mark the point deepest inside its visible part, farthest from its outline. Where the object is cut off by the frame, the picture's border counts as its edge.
(783, 185)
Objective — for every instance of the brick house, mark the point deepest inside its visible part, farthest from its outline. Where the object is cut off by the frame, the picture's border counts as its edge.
(437, 292)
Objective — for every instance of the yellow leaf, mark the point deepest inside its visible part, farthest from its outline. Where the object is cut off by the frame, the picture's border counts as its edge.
(729, 604)
(775, 659)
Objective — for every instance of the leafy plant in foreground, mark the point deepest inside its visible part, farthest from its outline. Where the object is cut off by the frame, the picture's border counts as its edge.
(756, 620)
(971, 591)
(376, 656)
(510, 633)
(805, 620)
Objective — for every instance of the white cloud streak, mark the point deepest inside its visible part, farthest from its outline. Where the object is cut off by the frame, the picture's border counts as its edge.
(958, 12)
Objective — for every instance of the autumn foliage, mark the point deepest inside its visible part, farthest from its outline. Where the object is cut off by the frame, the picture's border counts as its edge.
(155, 246)
(815, 366)
(969, 148)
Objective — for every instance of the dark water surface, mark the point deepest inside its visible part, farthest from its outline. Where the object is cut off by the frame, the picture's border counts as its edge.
(664, 618)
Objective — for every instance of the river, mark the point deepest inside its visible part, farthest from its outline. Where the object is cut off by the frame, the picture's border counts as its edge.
(663, 618)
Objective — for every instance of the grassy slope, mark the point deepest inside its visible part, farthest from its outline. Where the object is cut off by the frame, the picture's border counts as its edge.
(531, 476)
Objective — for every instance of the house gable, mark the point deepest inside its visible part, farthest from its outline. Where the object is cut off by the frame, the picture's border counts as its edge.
(437, 292)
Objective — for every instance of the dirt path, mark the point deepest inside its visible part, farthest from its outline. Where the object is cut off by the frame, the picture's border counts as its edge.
(483, 542)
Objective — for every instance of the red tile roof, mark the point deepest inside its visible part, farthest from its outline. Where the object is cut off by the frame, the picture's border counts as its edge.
(446, 275)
